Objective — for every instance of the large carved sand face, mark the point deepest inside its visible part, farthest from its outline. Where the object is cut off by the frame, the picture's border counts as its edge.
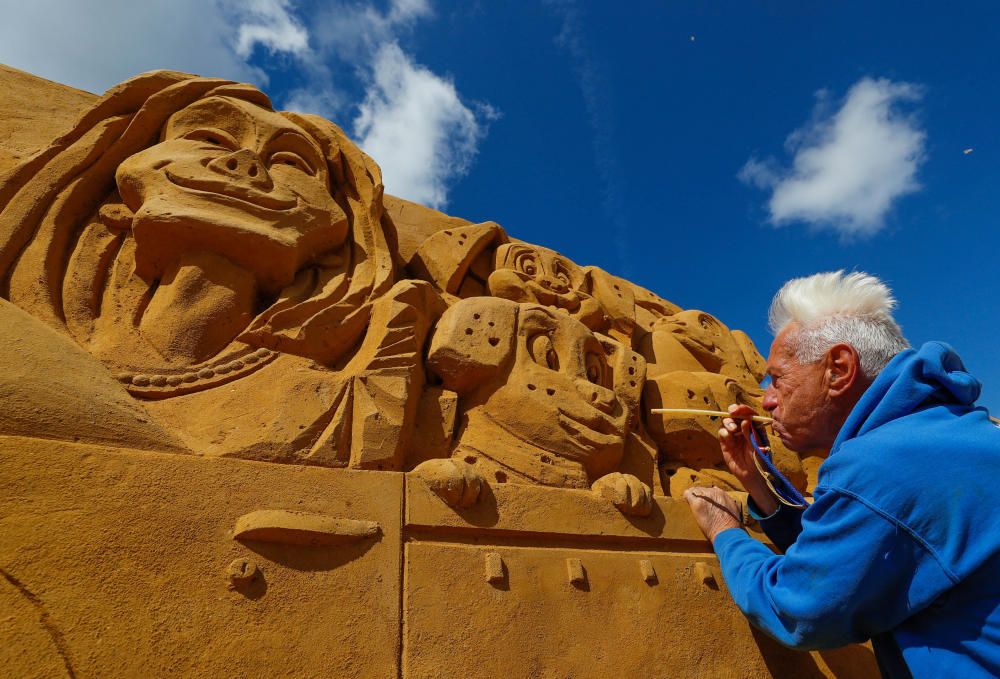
(568, 391)
(235, 179)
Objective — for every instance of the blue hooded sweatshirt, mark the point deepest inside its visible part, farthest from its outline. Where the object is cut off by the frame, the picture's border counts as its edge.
(902, 541)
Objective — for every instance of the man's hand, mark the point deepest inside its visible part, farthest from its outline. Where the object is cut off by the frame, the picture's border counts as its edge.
(737, 451)
(714, 510)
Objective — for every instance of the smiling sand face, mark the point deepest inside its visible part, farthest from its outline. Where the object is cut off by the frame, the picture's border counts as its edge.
(236, 179)
(529, 273)
(181, 220)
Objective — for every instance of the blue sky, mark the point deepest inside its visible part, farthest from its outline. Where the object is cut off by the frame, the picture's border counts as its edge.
(707, 151)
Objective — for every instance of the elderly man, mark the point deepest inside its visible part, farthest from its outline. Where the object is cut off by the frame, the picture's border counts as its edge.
(901, 543)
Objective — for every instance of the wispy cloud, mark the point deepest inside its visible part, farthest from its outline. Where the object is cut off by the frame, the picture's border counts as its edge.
(94, 47)
(411, 120)
(269, 23)
(849, 166)
(415, 124)
(595, 88)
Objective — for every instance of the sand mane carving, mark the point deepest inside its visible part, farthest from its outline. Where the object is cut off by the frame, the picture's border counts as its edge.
(190, 273)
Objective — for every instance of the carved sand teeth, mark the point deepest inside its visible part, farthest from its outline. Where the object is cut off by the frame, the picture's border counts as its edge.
(175, 384)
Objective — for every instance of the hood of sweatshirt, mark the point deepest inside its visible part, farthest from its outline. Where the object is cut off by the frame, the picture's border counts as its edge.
(914, 379)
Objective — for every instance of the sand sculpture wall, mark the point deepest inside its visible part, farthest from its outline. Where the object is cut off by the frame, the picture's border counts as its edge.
(262, 419)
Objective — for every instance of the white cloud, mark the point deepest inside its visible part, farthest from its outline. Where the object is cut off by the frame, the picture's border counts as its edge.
(414, 124)
(412, 121)
(355, 31)
(93, 46)
(849, 167)
(269, 24)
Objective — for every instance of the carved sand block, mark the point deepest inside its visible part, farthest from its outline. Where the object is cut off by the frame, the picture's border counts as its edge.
(139, 564)
(582, 588)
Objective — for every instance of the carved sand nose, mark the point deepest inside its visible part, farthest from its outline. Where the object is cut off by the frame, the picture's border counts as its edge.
(555, 285)
(244, 167)
(600, 397)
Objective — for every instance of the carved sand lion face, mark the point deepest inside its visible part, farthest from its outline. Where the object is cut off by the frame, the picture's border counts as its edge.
(703, 335)
(542, 377)
(236, 179)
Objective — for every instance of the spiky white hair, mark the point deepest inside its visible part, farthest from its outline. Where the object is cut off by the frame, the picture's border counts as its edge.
(833, 308)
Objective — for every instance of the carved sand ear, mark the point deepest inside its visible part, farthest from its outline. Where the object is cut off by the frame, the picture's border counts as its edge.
(756, 363)
(446, 257)
(472, 342)
(336, 165)
(615, 297)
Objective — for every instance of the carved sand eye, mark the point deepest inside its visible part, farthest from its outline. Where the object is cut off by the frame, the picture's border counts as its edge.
(562, 274)
(543, 352)
(525, 263)
(595, 368)
(291, 160)
(705, 323)
(212, 137)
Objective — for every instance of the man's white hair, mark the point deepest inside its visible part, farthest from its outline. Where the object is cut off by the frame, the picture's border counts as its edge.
(834, 308)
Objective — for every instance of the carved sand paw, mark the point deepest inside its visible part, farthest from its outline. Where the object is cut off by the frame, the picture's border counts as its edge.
(630, 495)
(454, 481)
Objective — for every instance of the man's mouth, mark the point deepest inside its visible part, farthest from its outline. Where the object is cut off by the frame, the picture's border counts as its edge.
(231, 193)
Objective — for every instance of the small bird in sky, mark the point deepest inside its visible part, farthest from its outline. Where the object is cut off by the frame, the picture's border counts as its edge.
(968, 151)
(692, 38)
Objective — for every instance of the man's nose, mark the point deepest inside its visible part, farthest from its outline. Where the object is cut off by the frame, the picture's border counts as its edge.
(244, 167)
(770, 401)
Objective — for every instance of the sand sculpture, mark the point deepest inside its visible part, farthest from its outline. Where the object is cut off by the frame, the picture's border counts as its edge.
(189, 275)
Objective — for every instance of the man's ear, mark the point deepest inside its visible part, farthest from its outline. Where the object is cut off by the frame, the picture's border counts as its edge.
(472, 342)
(843, 368)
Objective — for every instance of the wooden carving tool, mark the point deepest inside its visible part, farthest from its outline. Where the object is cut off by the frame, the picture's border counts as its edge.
(710, 413)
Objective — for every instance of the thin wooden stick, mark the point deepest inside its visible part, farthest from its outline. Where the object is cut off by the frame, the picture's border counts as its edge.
(711, 413)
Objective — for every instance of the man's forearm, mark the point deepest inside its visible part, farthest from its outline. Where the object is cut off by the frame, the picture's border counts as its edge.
(762, 497)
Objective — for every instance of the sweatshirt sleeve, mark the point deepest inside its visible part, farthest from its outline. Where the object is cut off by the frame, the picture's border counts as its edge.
(851, 574)
(781, 527)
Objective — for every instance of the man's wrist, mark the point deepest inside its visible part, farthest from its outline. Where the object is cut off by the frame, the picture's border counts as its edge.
(762, 496)
(723, 526)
